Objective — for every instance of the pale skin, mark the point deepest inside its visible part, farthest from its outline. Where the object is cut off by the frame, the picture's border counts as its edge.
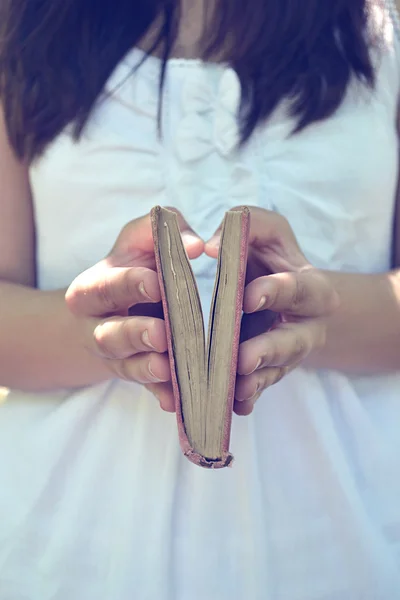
(330, 320)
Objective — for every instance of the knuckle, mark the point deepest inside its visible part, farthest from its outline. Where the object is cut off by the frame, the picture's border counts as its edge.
(298, 345)
(106, 296)
(128, 335)
(301, 346)
(279, 351)
(268, 378)
(143, 374)
(300, 294)
(279, 239)
(73, 297)
(267, 357)
(123, 369)
(258, 395)
(278, 355)
(102, 341)
(279, 375)
(129, 288)
(273, 376)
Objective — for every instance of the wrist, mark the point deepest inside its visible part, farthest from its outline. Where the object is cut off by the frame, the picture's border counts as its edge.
(42, 346)
(363, 335)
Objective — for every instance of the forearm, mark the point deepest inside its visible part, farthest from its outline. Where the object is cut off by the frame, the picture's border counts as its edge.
(41, 343)
(364, 333)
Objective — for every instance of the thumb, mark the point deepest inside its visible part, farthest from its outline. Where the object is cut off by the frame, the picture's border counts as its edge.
(271, 240)
(136, 239)
(213, 244)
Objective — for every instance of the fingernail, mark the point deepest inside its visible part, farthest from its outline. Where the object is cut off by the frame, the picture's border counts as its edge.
(154, 378)
(258, 365)
(146, 340)
(144, 293)
(262, 303)
(253, 396)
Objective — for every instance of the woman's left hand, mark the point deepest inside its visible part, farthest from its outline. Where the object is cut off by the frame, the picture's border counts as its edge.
(281, 280)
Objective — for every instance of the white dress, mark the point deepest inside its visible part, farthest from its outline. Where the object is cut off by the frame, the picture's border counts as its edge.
(96, 500)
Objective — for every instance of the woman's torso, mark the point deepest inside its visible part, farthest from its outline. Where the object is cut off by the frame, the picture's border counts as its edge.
(99, 502)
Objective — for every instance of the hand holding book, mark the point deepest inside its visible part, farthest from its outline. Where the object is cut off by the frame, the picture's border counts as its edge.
(113, 303)
(280, 283)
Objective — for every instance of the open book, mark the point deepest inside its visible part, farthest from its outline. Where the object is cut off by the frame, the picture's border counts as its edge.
(203, 366)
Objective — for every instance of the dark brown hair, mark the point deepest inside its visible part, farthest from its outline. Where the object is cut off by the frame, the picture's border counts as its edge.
(56, 56)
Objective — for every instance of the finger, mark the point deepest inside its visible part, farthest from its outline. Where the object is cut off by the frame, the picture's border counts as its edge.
(103, 290)
(136, 238)
(119, 337)
(286, 345)
(271, 234)
(142, 368)
(213, 244)
(244, 409)
(307, 293)
(164, 394)
(250, 387)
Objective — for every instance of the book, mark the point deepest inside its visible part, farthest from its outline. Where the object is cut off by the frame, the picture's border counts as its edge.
(203, 366)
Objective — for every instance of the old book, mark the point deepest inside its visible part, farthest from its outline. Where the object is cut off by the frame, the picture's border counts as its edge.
(203, 366)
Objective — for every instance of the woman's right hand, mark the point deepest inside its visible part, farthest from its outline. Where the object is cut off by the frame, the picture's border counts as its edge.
(134, 348)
